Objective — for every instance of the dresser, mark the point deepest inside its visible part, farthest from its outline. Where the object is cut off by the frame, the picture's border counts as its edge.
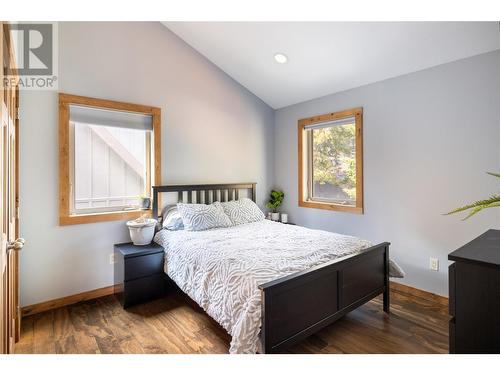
(474, 291)
(138, 273)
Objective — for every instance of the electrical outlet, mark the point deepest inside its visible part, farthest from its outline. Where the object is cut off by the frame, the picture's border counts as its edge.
(434, 264)
(112, 258)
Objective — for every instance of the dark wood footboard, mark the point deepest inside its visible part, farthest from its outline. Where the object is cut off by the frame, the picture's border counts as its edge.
(296, 306)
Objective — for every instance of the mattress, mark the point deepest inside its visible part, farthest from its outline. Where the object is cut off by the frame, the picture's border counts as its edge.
(222, 268)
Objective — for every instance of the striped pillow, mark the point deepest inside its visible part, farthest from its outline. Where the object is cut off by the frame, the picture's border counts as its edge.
(243, 211)
(197, 217)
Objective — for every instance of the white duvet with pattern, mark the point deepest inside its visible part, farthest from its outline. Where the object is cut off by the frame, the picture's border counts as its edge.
(222, 268)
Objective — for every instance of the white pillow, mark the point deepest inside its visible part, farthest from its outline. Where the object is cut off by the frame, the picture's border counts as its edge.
(171, 218)
(198, 217)
(243, 211)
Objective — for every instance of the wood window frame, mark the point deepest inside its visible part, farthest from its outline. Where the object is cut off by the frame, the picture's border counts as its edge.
(65, 100)
(303, 159)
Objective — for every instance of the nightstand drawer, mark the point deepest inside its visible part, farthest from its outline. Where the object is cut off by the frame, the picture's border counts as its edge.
(143, 289)
(142, 266)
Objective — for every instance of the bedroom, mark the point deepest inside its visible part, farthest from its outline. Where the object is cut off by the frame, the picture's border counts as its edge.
(170, 115)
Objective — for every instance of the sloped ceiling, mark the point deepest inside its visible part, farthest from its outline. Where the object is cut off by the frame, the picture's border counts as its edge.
(324, 58)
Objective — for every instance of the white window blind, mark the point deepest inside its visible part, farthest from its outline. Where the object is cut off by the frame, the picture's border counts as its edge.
(329, 124)
(113, 118)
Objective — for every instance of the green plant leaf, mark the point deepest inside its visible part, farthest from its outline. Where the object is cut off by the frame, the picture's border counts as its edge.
(477, 209)
(493, 201)
(275, 200)
(485, 202)
(473, 212)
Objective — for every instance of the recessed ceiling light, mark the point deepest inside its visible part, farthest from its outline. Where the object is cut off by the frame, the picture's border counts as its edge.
(280, 58)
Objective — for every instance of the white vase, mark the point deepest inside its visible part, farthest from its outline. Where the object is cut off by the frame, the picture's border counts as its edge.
(275, 216)
(284, 218)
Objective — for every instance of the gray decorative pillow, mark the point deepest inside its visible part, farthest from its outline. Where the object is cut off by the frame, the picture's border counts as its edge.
(243, 211)
(198, 217)
(171, 218)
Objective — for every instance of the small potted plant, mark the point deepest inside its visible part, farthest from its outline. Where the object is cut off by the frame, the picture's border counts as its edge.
(275, 203)
(144, 201)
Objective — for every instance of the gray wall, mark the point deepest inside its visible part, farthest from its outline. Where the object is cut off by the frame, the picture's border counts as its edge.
(428, 139)
(213, 130)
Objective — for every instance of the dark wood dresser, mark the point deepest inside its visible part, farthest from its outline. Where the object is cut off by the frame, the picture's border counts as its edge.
(474, 283)
(138, 273)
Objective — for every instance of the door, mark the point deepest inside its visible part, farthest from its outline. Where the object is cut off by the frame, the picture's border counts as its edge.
(9, 198)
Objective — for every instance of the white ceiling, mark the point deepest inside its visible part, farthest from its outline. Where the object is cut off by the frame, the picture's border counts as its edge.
(324, 58)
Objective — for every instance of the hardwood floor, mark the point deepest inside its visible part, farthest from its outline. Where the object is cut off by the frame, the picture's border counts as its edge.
(175, 324)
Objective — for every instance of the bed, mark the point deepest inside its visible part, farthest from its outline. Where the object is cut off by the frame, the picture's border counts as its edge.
(269, 284)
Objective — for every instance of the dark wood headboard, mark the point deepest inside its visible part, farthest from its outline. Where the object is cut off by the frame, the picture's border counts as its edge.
(203, 193)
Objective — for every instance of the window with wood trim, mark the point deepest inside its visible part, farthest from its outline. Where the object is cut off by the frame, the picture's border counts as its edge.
(331, 161)
(109, 158)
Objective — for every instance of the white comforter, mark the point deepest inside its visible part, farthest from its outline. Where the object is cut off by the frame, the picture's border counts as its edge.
(221, 269)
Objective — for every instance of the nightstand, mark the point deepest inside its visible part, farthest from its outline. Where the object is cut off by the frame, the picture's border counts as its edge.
(288, 223)
(138, 273)
(474, 290)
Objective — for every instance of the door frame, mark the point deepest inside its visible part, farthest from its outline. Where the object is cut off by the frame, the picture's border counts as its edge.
(10, 316)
